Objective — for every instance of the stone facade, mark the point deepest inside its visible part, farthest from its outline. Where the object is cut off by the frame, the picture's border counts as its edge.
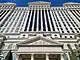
(49, 35)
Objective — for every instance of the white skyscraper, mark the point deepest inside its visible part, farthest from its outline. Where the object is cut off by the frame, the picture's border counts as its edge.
(40, 31)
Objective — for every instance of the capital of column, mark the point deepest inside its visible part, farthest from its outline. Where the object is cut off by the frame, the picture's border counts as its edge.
(47, 53)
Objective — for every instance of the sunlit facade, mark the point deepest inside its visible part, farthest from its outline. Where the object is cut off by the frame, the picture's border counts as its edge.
(39, 31)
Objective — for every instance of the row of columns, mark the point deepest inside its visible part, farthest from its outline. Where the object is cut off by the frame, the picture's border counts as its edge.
(32, 57)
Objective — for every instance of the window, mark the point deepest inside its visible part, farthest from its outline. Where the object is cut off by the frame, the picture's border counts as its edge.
(70, 36)
(62, 31)
(65, 36)
(68, 31)
(60, 36)
(55, 35)
(79, 28)
(73, 31)
(23, 35)
(61, 28)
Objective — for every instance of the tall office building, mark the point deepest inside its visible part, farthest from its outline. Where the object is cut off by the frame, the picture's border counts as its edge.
(39, 31)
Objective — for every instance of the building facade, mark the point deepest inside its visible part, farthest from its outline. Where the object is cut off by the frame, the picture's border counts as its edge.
(39, 31)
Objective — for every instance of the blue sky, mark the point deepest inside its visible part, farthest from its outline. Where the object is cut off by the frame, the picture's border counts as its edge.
(53, 2)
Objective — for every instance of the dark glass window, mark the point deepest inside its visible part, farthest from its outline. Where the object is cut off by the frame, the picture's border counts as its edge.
(30, 27)
(44, 29)
(35, 23)
(27, 21)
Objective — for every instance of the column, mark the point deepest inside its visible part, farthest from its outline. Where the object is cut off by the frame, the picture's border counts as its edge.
(32, 56)
(68, 56)
(62, 57)
(17, 57)
(13, 56)
(20, 58)
(47, 56)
